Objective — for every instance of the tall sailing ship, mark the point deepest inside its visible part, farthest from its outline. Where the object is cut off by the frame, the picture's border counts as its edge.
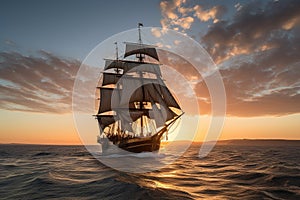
(136, 108)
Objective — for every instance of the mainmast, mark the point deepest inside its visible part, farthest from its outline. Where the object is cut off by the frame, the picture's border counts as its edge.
(141, 59)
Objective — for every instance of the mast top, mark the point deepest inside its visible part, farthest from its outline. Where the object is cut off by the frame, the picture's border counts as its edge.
(117, 53)
(117, 57)
(139, 27)
(140, 56)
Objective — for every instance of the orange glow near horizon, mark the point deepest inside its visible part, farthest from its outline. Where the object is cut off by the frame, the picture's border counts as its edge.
(267, 127)
(37, 128)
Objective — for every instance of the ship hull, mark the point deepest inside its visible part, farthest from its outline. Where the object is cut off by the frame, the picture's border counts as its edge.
(135, 145)
(138, 145)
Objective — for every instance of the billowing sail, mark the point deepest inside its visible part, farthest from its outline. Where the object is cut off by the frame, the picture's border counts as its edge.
(127, 117)
(151, 92)
(138, 90)
(132, 66)
(106, 120)
(133, 114)
(109, 99)
(110, 78)
(161, 115)
(135, 48)
(167, 96)
(134, 90)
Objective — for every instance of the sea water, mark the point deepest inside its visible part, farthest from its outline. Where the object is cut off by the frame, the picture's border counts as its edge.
(231, 171)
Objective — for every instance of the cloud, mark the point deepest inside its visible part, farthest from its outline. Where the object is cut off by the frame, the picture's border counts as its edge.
(184, 22)
(238, 6)
(255, 27)
(189, 80)
(10, 43)
(258, 54)
(262, 86)
(179, 15)
(204, 15)
(156, 32)
(257, 51)
(168, 9)
(36, 84)
(253, 90)
(173, 14)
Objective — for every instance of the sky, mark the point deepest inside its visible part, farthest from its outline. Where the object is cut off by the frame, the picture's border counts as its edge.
(255, 45)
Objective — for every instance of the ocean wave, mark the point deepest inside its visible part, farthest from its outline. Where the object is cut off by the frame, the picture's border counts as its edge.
(140, 155)
(284, 180)
(230, 172)
(4, 153)
(247, 176)
(42, 154)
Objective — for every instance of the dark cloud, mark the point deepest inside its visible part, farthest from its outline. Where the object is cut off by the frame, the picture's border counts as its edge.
(255, 27)
(258, 53)
(36, 84)
(253, 90)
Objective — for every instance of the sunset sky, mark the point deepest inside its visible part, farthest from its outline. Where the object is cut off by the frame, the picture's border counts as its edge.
(255, 45)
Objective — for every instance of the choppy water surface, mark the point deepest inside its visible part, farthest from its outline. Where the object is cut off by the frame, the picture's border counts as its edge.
(230, 171)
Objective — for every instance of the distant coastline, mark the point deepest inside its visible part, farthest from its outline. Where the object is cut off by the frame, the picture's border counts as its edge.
(249, 142)
(259, 142)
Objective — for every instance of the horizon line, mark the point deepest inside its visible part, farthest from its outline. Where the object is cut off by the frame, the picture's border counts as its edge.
(223, 140)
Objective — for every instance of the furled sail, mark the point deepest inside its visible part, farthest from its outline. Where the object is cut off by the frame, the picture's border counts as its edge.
(136, 48)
